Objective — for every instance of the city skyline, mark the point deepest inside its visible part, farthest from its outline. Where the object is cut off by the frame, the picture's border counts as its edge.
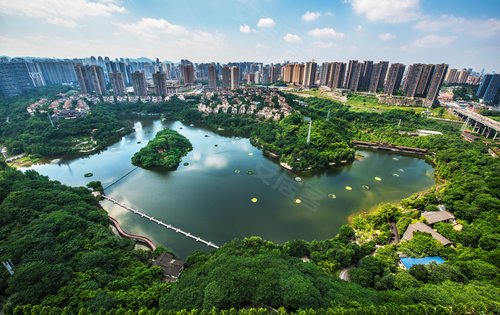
(458, 33)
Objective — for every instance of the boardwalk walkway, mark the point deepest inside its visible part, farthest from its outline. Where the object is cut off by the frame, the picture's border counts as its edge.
(141, 239)
(168, 226)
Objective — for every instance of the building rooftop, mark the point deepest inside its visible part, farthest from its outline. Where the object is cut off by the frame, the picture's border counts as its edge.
(422, 227)
(170, 266)
(409, 262)
(437, 216)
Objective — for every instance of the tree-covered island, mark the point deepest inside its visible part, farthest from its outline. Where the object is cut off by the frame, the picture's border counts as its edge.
(165, 150)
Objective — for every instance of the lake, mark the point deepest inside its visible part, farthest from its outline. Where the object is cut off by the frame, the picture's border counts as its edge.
(212, 196)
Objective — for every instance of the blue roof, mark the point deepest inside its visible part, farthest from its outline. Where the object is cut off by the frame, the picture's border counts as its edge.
(408, 262)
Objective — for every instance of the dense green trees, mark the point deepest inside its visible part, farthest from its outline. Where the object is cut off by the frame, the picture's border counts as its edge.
(165, 150)
(64, 253)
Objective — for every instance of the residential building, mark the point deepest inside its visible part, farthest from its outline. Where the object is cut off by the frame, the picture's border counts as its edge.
(436, 81)
(117, 83)
(366, 75)
(489, 90)
(353, 75)
(212, 76)
(309, 78)
(235, 77)
(91, 79)
(139, 84)
(226, 77)
(14, 77)
(378, 75)
(187, 71)
(424, 80)
(394, 77)
(160, 83)
(337, 74)
(325, 73)
(298, 73)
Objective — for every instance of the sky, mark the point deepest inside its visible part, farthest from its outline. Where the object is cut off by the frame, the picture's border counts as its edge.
(462, 33)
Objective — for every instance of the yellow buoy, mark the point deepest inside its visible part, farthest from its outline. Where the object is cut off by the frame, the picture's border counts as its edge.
(298, 200)
(254, 200)
(348, 187)
(378, 178)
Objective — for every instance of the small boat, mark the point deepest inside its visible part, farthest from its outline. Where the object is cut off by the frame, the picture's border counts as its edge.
(254, 200)
(298, 179)
(332, 196)
(298, 200)
(395, 175)
(348, 187)
(365, 187)
(378, 178)
(401, 170)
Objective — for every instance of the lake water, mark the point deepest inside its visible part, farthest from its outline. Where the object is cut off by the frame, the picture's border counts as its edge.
(212, 196)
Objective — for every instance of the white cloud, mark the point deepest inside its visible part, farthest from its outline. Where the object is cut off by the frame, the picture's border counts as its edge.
(386, 36)
(430, 41)
(390, 11)
(310, 16)
(62, 12)
(326, 33)
(260, 46)
(322, 45)
(152, 28)
(266, 22)
(292, 38)
(360, 29)
(476, 27)
(245, 28)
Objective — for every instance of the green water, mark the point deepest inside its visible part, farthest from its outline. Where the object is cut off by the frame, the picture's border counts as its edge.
(209, 198)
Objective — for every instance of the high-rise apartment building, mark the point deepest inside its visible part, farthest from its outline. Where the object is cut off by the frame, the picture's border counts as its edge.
(489, 90)
(378, 75)
(187, 70)
(226, 77)
(160, 83)
(309, 78)
(298, 73)
(366, 75)
(412, 79)
(235, 77)
(117, 83)
(353, 75)
(425, 80)
(139, 83)
(274, 73)
(436, 80)
(325, 73)
(288, 73)
(91, 79)
(212, 76)
(394, 77)
(14, 77)
(337, 74)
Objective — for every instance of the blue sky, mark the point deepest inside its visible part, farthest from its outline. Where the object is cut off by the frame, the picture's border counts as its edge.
(459, 32)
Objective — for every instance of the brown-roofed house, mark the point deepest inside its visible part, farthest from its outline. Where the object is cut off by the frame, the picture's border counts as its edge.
(437, 216)
(422, 227)
(171, 267)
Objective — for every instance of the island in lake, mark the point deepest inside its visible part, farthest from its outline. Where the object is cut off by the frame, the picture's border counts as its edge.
(165, 150)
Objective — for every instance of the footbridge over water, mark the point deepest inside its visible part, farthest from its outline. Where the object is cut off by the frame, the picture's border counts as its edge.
(168, 226)
(480, 124)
